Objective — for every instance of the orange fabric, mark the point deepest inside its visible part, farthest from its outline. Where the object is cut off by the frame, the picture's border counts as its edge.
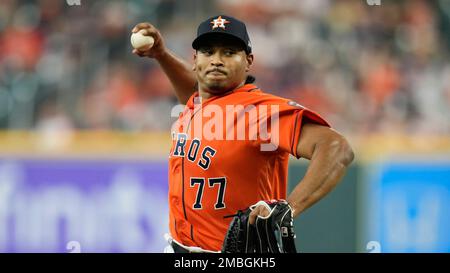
(212, 178)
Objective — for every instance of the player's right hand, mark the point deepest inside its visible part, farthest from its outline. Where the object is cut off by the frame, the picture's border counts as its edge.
(158, 48)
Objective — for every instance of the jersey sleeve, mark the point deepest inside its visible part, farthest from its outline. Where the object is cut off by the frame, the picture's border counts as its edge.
(291, 117)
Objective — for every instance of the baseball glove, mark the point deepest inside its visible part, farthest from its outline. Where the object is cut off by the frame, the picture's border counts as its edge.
(271, 234)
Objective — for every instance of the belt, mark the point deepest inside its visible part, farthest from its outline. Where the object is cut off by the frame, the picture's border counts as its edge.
(179, 249)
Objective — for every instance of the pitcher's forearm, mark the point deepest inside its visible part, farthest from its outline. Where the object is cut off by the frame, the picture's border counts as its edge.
(326, 169)
(179, 73)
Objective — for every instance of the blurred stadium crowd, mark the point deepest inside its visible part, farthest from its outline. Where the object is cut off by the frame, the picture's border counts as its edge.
(367, 69)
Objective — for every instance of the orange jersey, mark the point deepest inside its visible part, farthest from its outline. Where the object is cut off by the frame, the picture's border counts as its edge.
(215, 168)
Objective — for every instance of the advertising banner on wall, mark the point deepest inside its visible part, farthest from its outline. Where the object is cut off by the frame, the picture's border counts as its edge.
(407, 207)
(83, 205)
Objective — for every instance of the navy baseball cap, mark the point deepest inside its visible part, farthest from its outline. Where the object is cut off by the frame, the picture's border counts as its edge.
(223, 25)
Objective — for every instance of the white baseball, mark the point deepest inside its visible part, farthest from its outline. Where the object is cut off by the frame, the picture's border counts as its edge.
(140, 41)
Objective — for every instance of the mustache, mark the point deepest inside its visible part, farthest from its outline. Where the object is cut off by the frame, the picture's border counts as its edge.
(216, 70)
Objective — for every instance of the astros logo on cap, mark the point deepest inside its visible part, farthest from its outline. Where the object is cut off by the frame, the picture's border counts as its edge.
(219, 22)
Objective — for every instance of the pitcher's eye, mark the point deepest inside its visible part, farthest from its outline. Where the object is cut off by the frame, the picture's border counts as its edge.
(205, 51)
(229, 52)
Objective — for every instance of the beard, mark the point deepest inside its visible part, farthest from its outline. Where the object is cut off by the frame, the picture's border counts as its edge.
(218, 87)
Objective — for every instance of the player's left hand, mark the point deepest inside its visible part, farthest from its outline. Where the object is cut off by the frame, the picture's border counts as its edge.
(259, 210)
(268, 220)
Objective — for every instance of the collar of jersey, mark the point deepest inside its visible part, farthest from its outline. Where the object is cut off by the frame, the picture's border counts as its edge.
(244, 88)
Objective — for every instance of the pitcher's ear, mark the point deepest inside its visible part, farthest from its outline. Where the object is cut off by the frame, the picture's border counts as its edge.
(249, 58)
(194, 66)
